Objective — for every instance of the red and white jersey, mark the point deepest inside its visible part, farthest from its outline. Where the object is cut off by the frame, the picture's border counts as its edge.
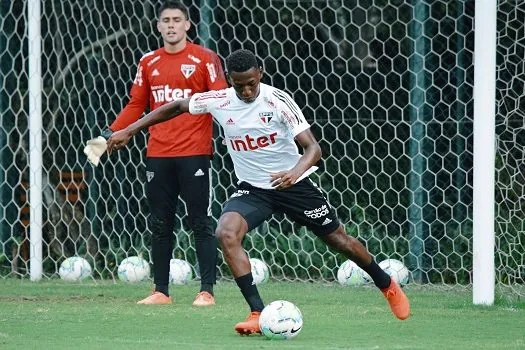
(259, 135)
(163, 77)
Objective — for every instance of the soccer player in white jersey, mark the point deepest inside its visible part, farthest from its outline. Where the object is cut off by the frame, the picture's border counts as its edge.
(260, 124)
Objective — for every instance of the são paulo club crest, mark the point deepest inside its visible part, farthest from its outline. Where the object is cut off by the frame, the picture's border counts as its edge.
(266, 117)
(187, 69)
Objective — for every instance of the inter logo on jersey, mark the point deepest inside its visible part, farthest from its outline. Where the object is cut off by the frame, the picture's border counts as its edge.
(187, 69)
(266, 116)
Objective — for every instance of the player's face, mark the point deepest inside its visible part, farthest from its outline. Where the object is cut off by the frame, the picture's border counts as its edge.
(173, 26)
(246, 84)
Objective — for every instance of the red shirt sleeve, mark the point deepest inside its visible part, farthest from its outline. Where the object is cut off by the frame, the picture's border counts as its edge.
(140, 92)
(216, 79)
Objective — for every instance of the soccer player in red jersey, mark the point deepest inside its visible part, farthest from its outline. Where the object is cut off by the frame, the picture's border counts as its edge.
(261, 125)
(179, 151)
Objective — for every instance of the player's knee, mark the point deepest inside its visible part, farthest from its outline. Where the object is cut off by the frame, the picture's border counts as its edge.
(342, 242)
(157, 226)
(202, 227)
(226, 236)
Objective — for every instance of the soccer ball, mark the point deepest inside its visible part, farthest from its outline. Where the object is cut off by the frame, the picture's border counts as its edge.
(180, 271)
(281, 320)
(396, 269)
(74, 268)
(133, 269)
(352, 275)
(260, 271)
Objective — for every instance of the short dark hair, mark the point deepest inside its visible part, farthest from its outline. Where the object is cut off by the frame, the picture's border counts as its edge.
(170, 4)
(241, 61)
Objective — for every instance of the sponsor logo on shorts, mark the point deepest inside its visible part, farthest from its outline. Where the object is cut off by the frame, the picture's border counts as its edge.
(317, 212)
(239, 193)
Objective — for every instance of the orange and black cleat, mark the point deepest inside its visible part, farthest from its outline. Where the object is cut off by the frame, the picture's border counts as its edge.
(250, 325)
(397, 299)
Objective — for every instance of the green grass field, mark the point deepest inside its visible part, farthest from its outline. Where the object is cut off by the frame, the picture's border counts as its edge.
(103, 315)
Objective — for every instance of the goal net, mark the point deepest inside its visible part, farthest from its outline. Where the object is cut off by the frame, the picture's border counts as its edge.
(386, 84)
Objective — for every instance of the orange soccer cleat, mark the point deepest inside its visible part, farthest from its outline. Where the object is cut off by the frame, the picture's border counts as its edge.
(204, 299)
(250, 325)
(397, 299)
(156, 298)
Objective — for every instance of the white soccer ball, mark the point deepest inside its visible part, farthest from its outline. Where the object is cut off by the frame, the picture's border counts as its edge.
(74, 268)
(281, 319)
(133, 269)
(396, 269)
(349, 274)
(180, 271)
(260, 271)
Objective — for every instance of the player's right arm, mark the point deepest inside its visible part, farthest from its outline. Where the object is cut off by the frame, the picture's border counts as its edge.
(199, 103)
(165, 112)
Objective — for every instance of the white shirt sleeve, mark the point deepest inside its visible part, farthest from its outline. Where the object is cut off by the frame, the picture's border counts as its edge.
(290, 113)
(205, 102)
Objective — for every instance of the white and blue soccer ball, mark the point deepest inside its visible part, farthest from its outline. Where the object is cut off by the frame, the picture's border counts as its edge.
(281, 319)
(260, 271)
(75, 268)
(349, 274)
(180, 271)
(397, 270)
(133, 269)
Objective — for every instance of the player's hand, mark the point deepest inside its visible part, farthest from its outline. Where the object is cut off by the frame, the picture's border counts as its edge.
(94, 149)
(283, 179)
(118, 140)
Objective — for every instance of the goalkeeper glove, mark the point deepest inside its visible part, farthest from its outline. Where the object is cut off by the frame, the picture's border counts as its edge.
(96, 147)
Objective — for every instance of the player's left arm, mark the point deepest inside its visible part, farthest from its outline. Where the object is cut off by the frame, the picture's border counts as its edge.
(293, 119)
(311, 155)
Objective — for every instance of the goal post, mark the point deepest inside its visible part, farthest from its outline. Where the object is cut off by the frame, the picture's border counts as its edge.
(35, 137)
(483, 278)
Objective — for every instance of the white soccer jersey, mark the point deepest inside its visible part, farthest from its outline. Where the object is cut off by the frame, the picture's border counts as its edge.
(259, 135)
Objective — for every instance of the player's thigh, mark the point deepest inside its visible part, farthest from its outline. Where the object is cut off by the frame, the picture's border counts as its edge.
(305, 204)
(162, 188)
(194, 178)
(255, 209)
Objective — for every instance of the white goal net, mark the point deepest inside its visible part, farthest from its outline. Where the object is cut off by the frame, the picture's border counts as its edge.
(386, 84)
